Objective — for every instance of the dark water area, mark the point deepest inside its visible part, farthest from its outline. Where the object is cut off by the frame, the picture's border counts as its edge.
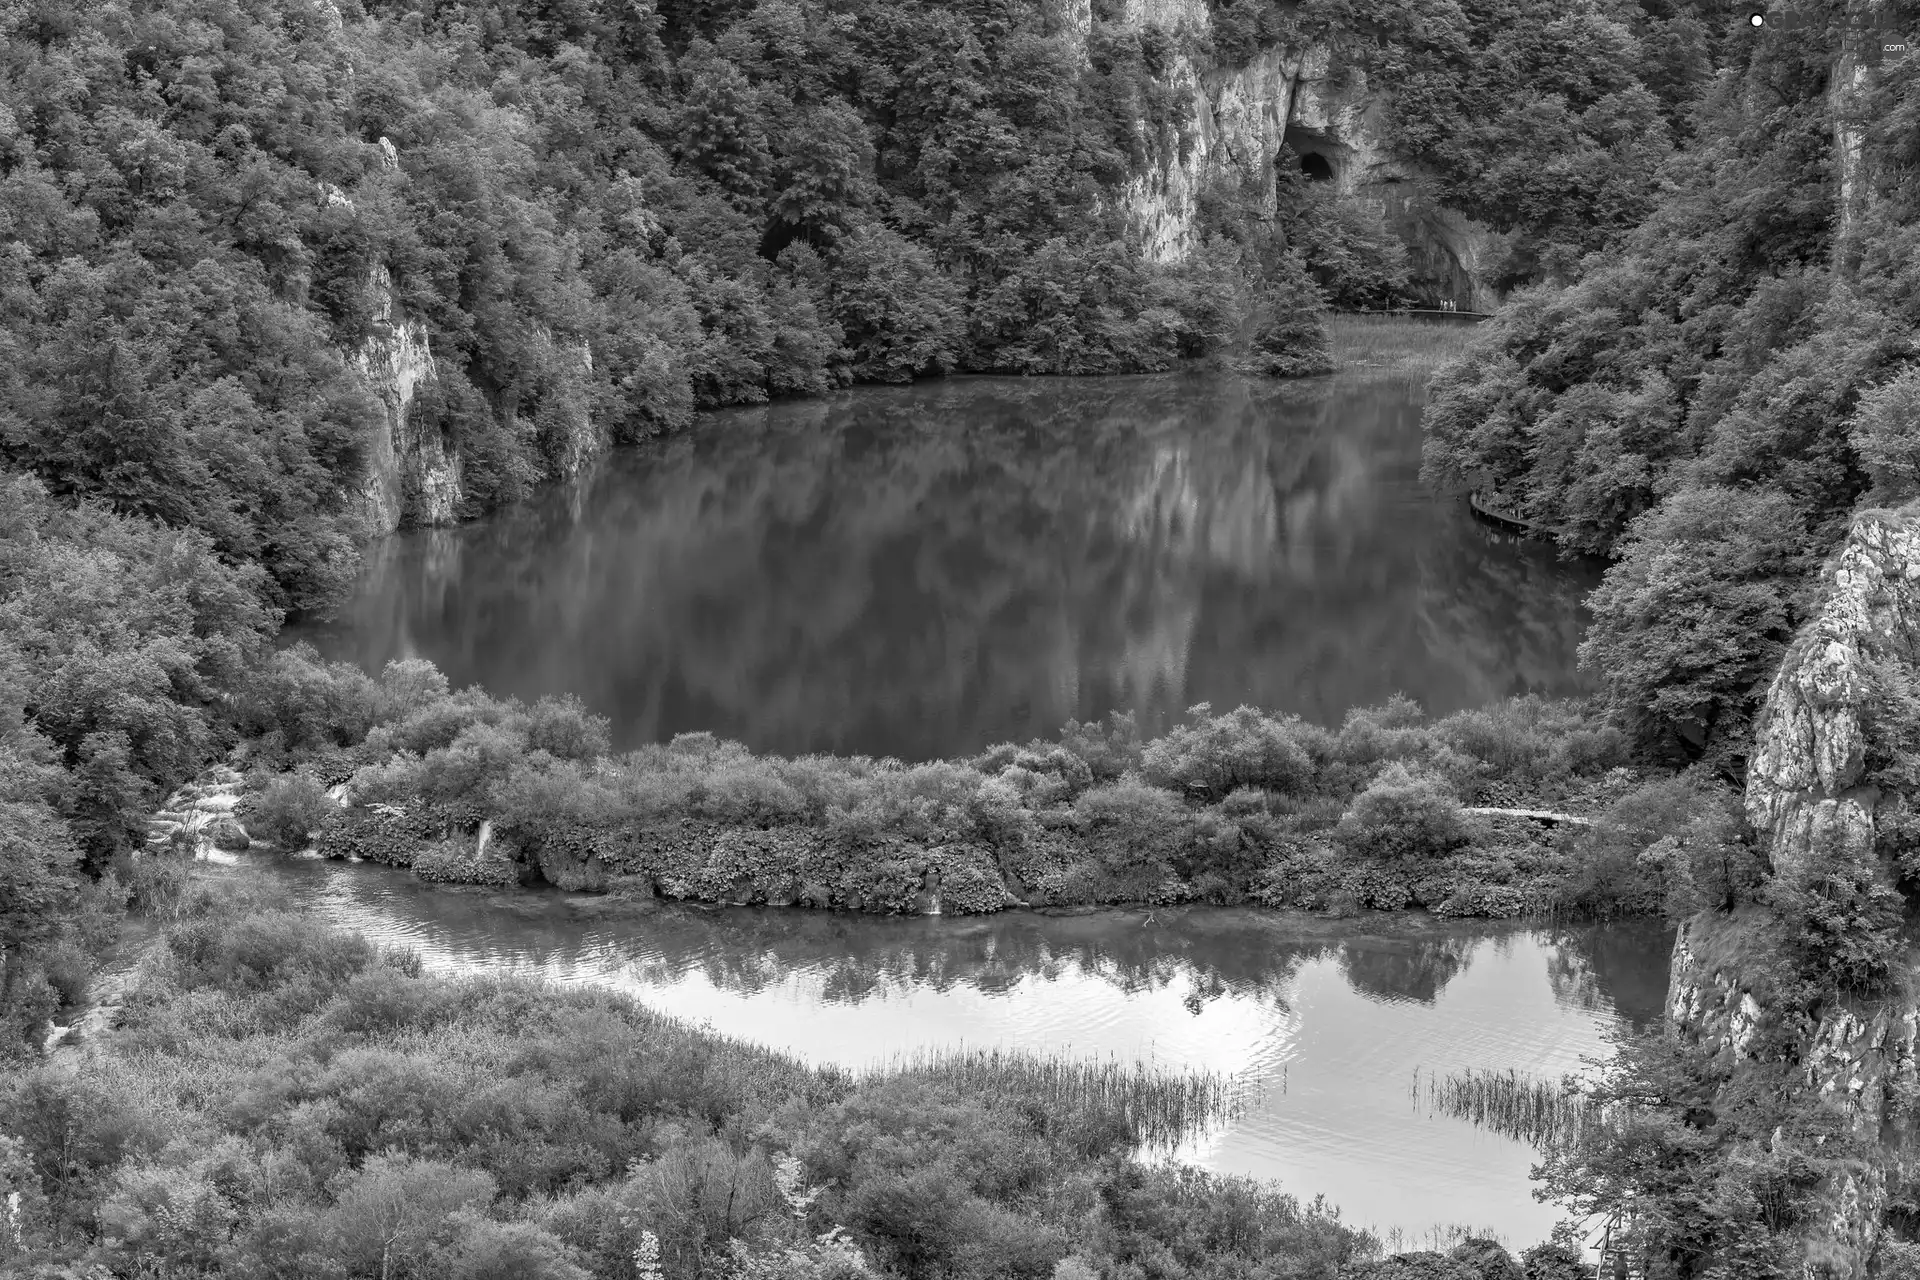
(1324, 1022)
(924, 571)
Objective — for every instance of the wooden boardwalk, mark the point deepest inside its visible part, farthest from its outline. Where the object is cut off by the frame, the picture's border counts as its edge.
(1501, 518)
(1424, 313)
(1538, 815)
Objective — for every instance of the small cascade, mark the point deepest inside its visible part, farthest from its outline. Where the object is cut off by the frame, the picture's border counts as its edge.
(486, 834)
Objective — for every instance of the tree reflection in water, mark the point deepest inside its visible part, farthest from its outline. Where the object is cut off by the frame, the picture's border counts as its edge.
(1204, 952)
(923, 571)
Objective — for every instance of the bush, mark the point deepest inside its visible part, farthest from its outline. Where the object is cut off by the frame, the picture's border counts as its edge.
(1215, 754)
(1402, 816)
(1132, 827)
(460, 861)
(1109, 750)
(289, 809)
(375, 833)
(1673, 844)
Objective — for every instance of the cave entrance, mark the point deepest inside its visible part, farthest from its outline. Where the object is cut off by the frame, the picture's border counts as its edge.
(1315, 167)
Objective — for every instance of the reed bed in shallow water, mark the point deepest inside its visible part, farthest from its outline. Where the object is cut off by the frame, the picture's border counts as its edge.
(1388, 344)
(1160, 1108)
(1541, 1113)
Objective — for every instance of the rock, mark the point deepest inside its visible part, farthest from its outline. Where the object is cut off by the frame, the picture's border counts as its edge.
(1810, 740)
(227, 833)
(1805, 795)
(1321, 105)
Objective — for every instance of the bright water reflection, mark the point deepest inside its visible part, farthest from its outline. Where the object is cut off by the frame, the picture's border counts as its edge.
(1326, 1021)
(923, 571)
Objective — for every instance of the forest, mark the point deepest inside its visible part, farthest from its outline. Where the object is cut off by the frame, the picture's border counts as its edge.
(609, 217)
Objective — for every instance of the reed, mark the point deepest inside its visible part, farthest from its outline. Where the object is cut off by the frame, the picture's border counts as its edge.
(1413, 348)
(1541, 1113)
(1160, 1108)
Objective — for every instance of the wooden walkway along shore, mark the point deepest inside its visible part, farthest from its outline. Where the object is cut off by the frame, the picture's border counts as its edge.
(1424, 313)
(1501, 518)
(1538, 815)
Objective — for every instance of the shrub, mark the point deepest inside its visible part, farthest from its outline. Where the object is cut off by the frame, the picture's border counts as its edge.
(375, 833)
(459, 861)
(1131, 826)
(1402, 816)
(1109, 750)
(69, 970)
(1673, 843)
(1843, 924)
(308, 702)
(264, 950)
(750, 791)
(289, 809)
(1215, 754)
(564, 729)
(1488, 901)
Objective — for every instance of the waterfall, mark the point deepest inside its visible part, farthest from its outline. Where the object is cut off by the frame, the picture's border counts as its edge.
(486, 834)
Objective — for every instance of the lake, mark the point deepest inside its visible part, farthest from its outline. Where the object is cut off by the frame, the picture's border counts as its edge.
(1324, 1022)
(924, 571)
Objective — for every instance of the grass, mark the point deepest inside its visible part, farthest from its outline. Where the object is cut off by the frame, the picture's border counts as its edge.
(1160, 1108)
(1414, 348)
(1541, 1113)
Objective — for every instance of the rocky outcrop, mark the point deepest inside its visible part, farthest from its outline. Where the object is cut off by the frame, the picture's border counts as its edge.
(414, 475)
(1319, 105)
(198, 819)
(1810, 747)
(1805, 794)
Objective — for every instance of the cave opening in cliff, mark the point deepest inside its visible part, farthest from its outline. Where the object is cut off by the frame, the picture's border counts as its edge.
(1315, 167)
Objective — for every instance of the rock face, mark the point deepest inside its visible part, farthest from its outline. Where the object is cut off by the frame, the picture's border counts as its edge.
(1323, 109)
(1804, 792)
(414, 474)
(1811, 741)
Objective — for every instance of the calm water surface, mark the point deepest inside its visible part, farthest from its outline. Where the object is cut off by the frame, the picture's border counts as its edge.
(1326, 1021)
(924, 571)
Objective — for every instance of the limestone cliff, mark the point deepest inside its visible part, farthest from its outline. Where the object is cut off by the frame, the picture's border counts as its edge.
(1804, 794)
(414, 474)
(412, 477)
(1320, 106)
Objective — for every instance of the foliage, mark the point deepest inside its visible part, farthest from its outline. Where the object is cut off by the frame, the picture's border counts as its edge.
(1231, 808)
(1689, 626)
(493, 1128)
(289, 809)
(1711, 401)
(1403, 816)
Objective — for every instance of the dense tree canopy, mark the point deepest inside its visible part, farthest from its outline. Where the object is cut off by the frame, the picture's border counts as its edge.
(1710, 404)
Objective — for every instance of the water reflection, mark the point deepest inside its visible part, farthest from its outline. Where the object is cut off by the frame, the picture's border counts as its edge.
(923, 571)
(1325, 1021)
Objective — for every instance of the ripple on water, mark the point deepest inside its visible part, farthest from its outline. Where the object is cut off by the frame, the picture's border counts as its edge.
(1324, 1024)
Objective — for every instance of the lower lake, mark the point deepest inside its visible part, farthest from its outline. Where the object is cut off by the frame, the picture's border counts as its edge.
(1323, 1023)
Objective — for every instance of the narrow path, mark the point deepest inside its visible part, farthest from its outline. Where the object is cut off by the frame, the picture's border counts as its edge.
(1538, 815)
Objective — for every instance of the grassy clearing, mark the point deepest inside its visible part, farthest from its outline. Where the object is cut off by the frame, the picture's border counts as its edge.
(1541, 1113)
(1160, 1108)
(1412, 348)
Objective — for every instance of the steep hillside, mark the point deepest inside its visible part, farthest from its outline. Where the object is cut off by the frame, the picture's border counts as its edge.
(290, 271)
(1710, 404)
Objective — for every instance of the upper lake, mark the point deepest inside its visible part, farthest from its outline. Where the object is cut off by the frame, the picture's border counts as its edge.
(924, 571)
